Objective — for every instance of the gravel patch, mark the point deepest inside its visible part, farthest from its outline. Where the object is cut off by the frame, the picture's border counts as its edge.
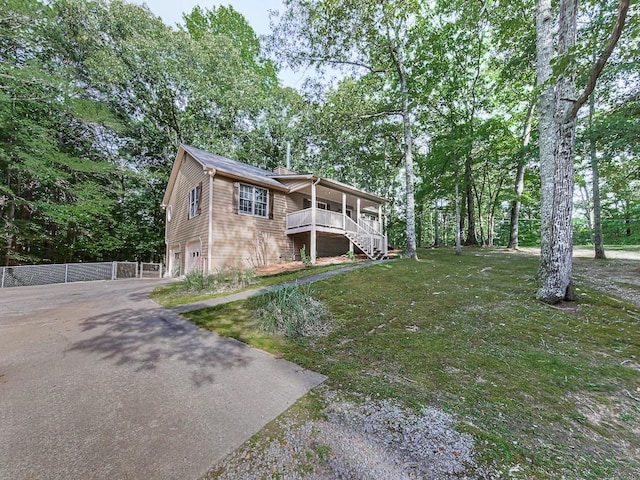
(377, 440)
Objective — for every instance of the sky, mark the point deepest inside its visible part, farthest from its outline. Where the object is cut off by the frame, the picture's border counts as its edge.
(255, 11)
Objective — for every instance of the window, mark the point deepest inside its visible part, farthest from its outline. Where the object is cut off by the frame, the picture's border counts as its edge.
(306, 203)
(194, 201)
(253, 200)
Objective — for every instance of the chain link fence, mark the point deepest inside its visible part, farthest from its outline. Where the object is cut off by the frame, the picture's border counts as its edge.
(28, 275)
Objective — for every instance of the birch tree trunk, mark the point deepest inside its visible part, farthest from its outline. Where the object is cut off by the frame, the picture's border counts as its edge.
(410, 251)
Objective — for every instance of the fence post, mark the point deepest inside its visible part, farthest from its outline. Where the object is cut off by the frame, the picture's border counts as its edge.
(4, 269)
(160, 271)
(66, 272)
(138, 269)
(114, 268)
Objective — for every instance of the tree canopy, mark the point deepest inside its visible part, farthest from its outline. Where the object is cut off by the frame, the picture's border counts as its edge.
(435, 105)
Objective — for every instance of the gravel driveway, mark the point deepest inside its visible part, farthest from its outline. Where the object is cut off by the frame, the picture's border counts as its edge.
(97, 381)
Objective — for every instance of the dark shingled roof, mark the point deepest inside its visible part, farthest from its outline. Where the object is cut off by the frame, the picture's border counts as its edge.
(233, 167)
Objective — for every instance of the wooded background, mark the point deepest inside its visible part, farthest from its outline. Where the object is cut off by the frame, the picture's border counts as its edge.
(441, 96)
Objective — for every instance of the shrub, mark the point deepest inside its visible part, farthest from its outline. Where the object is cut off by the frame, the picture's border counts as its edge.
(293, 312)
(223, 280)
(306, 259)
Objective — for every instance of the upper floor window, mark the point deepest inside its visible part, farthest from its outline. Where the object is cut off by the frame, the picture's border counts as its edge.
(253, 200)
(194, 201)
(306, 203)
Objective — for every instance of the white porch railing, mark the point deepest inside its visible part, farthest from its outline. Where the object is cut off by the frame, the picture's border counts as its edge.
(365, 233)
(327, 218)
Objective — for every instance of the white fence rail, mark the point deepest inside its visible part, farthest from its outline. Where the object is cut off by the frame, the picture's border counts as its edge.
(28, 275)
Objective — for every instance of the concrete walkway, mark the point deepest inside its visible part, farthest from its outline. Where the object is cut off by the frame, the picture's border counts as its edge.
(99, 382)
(212, 302)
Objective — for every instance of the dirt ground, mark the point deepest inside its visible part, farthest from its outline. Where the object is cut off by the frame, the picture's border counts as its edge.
(618, 275)
(298, 265)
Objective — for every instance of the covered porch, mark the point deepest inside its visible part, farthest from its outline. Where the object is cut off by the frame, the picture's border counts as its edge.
(333, 208)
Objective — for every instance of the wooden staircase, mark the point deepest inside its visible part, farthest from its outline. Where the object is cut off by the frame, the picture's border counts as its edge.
(372, 243)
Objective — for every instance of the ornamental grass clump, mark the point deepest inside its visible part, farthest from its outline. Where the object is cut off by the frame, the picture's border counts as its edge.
(293, 312)
(221, 281)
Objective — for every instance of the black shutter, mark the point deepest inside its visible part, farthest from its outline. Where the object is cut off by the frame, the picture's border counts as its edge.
(236, 197)
(271, 194)
(199, 198)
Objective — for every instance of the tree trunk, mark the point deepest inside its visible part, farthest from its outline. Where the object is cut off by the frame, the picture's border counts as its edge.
(556, 269)
(458, 229)
(463, 213)
(546, 124)
(555, 260)
(419, 224)
(519, 183)
(410, 251)
(436, 239)
(598, 243)
(8, 247)
(472, 239)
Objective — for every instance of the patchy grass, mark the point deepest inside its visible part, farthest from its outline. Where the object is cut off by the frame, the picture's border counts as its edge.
(627, 248)
(178, 293)
(546, 391)
(631, 286)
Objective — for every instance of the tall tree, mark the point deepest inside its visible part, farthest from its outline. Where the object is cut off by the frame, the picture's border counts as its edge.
(557, 170)
(367, 38)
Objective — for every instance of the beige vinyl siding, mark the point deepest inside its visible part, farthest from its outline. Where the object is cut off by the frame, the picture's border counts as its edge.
(241, 240)
(182, 229)
(294, 202)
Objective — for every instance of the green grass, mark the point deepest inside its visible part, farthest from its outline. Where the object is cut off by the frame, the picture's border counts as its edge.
(175, 293)
(547, 389)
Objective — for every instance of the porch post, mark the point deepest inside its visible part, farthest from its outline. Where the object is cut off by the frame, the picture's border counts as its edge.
(344, 219)
(312, 247)
(358, 210)
(380, 218)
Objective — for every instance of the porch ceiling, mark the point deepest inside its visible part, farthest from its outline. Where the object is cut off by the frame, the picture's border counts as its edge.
(324, 192)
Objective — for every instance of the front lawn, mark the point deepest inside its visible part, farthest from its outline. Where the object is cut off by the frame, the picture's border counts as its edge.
(179, 293)
(545, 391)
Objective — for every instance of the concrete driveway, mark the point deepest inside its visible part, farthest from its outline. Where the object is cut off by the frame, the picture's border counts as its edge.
(98, 382)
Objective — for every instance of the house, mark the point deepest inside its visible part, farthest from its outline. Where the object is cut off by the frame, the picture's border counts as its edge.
(221, 212)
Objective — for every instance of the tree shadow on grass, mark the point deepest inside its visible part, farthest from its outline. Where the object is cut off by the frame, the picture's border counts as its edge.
(147, 337)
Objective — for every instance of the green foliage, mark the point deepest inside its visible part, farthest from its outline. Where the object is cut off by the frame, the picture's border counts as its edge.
(292, 312)
(306, 259)
(95, 98)
(225, 280)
